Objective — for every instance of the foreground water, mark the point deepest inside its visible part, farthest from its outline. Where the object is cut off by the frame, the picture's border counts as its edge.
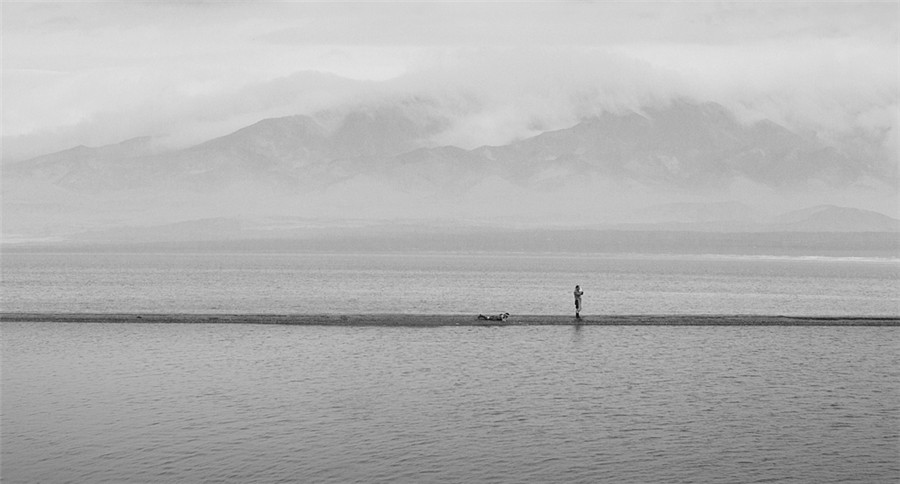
(247, 403)
(447, 284)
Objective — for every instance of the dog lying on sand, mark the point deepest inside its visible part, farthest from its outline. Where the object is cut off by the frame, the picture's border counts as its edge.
(499, 317)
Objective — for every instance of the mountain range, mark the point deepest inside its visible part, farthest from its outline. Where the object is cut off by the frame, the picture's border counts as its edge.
(683, 144)
(679, 165)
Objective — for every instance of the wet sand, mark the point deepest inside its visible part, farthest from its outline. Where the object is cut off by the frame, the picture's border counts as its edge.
(436, 320)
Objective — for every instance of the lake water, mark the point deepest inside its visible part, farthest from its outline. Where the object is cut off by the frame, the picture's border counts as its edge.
(448, 284)
(248, 403)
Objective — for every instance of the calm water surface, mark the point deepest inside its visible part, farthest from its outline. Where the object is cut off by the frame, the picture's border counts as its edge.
(448, 284)
(243, 403)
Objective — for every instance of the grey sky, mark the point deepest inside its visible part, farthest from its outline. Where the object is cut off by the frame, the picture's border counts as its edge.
(97, 73)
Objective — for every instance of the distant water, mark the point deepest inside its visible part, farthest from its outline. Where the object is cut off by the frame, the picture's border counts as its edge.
(448, 284)
(245, 403)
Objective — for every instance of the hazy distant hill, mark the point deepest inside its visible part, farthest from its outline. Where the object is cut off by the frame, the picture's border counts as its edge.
(285, 152)
(828, 218)
(382, 161)
(738, 217)
(684, 212)
(687, 235)
(683, 144)
(83, 167)
(232, 235)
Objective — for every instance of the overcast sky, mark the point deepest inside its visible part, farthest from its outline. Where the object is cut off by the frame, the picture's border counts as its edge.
(98, 73)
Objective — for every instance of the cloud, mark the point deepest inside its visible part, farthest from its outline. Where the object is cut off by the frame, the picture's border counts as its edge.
(101, 73)
(499, 94)
(97, 74)
(592, 24)
(837, 88)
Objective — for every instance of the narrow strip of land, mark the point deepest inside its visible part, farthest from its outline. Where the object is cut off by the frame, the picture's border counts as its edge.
(435, 320)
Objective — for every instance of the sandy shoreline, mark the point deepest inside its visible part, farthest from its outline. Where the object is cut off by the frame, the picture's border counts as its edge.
(436, 320)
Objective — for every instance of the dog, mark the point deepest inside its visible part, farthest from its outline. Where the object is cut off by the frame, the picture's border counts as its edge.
(499, 317)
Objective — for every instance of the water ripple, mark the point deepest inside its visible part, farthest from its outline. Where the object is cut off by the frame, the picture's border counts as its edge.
(234, 403)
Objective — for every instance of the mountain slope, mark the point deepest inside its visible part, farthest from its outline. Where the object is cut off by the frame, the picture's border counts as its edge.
(87, 168)
(382, 162)
(682, 145)
(691, 146)
(284, 152)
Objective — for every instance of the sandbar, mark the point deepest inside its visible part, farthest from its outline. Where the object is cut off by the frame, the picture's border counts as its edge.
(438, 320)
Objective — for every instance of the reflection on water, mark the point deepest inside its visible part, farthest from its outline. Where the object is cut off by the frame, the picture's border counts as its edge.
(243, 403)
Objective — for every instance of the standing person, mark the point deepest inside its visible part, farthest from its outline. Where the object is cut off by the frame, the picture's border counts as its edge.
(578, 294)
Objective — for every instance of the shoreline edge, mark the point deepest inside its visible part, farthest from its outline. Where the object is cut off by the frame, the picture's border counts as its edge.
(438, 320)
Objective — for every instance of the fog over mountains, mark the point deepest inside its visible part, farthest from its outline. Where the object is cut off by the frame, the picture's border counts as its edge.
(675, 165)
